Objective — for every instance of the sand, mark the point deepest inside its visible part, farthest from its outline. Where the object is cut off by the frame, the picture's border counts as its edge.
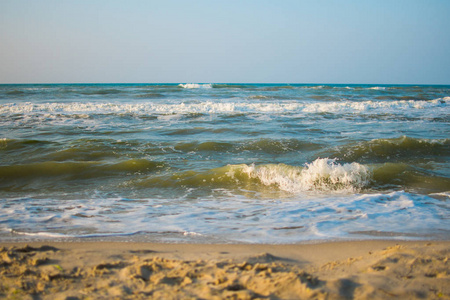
(119, 270)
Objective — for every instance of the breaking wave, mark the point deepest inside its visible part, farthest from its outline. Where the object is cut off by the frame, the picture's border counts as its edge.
(321, 176)
(436, 106)
(195, 86)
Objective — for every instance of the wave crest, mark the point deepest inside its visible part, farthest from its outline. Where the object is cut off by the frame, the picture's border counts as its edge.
(322, 175)
(195, 86)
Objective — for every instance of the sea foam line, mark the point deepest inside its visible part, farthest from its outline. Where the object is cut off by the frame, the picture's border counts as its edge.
(211, 107)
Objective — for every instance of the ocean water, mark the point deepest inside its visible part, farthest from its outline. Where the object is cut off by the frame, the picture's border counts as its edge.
(224, 163)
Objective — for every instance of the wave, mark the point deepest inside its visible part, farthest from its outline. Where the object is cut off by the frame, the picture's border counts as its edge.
(321, 176)
(271, 146)
(16, 151)
(15, 92)
(436, 106)
(393, 107)
(195, 85)
(102, 92)
(403, 148)
(260, 97)
(403, 176)
(234, 86)
(74, 170)
(231, 86)
(30, 150)
(14, 144)
(150, 96)
(402, 163)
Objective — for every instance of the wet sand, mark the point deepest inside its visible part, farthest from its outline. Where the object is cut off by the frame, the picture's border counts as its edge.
(123, 270)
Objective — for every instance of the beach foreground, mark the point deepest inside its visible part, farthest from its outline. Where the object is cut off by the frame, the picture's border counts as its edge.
(333, 270)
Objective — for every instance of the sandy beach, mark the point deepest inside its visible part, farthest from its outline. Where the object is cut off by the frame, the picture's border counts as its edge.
(332, 270)
(224, 150)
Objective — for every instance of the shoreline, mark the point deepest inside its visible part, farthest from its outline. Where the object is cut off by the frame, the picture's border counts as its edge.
(129, 270)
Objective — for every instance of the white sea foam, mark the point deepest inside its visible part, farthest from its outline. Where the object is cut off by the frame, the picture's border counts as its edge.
(393, 107)
(40, 234)
(444, 195)
(196, 86)
(322, 175)
(234, 218)
(190, 233)
(367, 107)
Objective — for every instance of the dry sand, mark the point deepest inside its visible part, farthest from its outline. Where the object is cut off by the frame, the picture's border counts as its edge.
(333, 270)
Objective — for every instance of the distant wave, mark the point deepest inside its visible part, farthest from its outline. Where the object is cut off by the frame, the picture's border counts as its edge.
(101, 92)
(196, 86)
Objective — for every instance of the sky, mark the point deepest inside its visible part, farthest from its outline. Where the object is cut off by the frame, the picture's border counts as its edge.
(215, 41)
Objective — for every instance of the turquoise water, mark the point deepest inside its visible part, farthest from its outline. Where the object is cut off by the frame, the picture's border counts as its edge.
(258, 163)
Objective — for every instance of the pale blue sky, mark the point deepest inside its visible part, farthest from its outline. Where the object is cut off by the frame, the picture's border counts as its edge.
(296, 41)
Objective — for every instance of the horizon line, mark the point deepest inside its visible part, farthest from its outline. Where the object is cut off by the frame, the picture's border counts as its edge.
(230, 83)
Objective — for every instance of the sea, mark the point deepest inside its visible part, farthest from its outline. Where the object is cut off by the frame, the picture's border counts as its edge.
(224, 163)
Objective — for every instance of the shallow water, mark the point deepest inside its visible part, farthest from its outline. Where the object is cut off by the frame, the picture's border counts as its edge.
(225, 163)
